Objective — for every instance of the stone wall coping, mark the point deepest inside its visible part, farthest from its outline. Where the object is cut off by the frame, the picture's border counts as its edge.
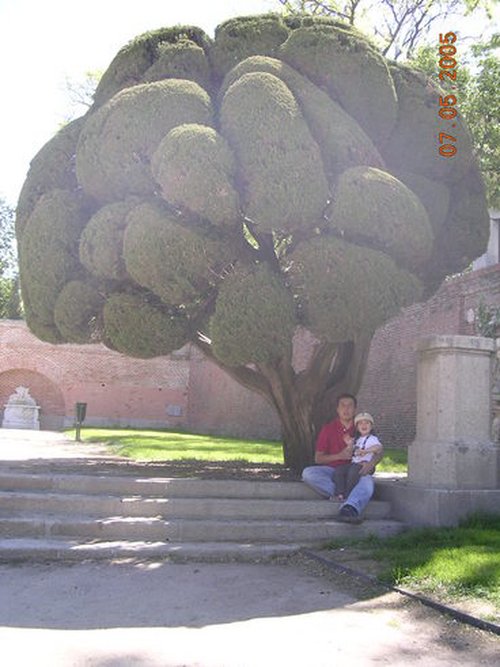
(451, 342)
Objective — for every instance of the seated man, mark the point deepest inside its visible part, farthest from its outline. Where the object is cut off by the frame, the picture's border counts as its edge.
(335, 447)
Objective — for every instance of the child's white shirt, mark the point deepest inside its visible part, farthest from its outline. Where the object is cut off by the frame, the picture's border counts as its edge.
(364, 442)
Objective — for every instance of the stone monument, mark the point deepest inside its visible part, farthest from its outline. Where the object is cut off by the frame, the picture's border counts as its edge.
(453, 463)
(21, 411)
(453, 448)
(496, 396)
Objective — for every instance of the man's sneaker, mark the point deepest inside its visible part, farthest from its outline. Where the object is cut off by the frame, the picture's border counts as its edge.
(349, 514)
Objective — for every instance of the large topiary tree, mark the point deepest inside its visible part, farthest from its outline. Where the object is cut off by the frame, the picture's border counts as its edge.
(280, 178)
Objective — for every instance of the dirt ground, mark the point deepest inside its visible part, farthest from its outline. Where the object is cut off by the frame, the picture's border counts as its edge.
(159, 614)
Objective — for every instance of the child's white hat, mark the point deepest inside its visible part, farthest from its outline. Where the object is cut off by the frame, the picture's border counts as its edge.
(361, 416)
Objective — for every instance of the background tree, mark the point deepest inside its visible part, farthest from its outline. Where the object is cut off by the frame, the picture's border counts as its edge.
(398, 26)
(281, 178)
(80, 92)
(480, 105)
(10, 306)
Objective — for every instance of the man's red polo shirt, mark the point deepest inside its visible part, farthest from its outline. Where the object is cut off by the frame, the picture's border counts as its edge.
(331, 440)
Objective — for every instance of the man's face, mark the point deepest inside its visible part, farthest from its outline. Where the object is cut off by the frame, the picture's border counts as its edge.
(346, 409)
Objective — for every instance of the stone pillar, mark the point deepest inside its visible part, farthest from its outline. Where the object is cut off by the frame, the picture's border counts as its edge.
(453, 448)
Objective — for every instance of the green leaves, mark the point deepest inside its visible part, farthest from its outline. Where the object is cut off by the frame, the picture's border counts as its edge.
(481, 107)
(76, 311)
(49, 256)
(176, 263)
(196, 170)
(116, 144)
(254, 318)
(351, 70)
(239, 38)
(101, 242)
(278, 160)
(388, 215)
(344, 289)
(280, 174)
(137, 328)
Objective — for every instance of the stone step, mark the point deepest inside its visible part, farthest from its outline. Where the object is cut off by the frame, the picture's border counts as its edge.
(44, 549)
(190, 530)
(93, 511)
(13, 502)
(153, 486)
(119, 484)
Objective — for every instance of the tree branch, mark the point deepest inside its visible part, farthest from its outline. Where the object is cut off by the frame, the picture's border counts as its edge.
(340, 364)
(344, 376)
(349, 376)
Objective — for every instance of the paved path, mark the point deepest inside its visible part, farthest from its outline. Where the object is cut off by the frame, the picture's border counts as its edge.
(22, 445)
(159, 614)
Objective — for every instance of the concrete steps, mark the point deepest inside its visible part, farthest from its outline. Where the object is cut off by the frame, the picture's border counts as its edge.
(205, 508)
(25, 549)
(107, 513)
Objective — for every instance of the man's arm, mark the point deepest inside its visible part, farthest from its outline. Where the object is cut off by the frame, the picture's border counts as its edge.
(324, 459)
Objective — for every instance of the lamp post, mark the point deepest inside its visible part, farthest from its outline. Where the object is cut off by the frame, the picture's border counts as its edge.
(81, 411)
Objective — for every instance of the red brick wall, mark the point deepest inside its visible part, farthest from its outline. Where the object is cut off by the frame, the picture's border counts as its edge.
(128, 392)
(218, 404)
(389, 386)
(117, 390)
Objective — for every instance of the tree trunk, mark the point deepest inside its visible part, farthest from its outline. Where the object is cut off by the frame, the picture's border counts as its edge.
(294, 409)
(304, 401)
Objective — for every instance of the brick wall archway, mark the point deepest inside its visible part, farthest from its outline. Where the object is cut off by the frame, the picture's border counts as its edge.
(45, 392)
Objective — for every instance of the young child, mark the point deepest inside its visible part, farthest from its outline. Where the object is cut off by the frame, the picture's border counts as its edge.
(366, 444)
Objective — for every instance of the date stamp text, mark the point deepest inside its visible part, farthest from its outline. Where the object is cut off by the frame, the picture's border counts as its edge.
(447, 110)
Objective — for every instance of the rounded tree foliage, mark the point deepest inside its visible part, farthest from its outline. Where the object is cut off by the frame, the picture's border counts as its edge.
(281, 175)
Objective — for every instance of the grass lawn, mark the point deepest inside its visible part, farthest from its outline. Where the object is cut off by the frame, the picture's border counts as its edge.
(395, 460)
(156, 445)
(151, 445)
(447, 563)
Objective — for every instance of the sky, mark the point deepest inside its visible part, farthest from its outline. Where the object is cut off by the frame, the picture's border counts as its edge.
(45, 42)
